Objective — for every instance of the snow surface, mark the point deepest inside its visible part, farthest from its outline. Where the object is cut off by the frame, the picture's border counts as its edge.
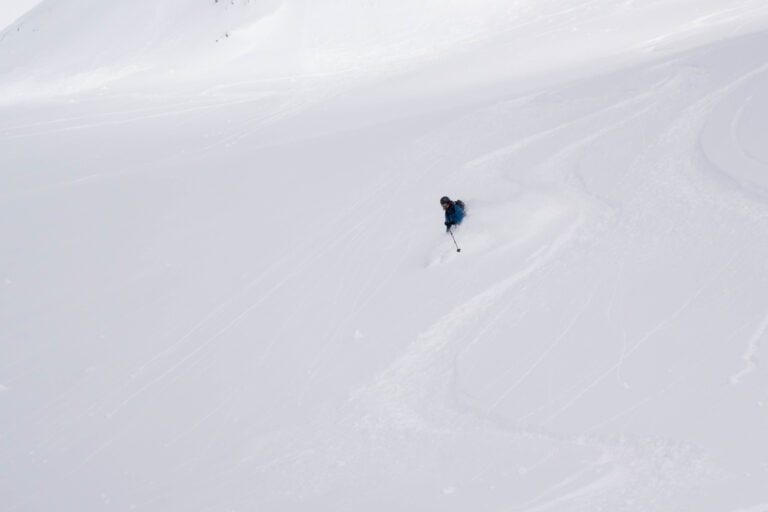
(12, 10)
(225, 286)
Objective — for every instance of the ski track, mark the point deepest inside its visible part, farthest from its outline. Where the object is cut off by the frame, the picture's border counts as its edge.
(750, 354)
(435, 339)
(278, 267)
(546, 353)
(413, 394)
(701, 114)
(649, 335)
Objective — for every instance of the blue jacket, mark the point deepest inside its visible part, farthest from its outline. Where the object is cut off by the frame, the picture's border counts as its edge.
(454, 214)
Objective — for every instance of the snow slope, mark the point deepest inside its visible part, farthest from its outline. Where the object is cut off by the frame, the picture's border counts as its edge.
(11, 10)
(231, 290)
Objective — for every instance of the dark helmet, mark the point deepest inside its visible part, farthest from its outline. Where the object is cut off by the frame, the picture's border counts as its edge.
(445, 200)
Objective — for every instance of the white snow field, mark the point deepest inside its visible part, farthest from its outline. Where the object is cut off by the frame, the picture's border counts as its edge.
(225, 284)
(11, 10)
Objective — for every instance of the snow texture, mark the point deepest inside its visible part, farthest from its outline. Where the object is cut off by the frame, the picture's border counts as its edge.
(225, 284)
(12, 10)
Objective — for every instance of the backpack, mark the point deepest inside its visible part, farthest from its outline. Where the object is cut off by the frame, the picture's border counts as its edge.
(461, 205)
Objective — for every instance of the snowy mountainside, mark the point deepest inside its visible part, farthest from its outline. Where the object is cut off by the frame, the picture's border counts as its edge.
(237, 294)
(12, 10)
(63, 47)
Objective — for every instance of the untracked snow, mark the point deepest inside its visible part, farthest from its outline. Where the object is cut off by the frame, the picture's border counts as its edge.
(225, 284)
(11, 10)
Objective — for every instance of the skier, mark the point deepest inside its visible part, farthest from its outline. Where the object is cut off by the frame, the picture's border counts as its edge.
(454, 212)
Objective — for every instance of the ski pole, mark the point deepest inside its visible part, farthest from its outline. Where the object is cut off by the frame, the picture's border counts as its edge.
(454, 240)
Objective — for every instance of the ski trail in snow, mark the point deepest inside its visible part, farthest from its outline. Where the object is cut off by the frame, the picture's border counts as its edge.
(324, 355)
(232, 322)
(216, 316)
(522, 378)
(394, 394)
(750, 354)
(701, 356)
(697, 113)
(502, 154)
(610, 312)
(640, 342)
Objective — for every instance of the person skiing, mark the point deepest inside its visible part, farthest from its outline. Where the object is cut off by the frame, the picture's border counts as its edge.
(454, 212)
